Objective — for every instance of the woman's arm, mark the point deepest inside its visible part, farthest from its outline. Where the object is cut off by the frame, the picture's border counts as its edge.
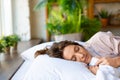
(114, 62)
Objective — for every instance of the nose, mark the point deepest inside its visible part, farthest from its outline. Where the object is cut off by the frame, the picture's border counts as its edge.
(80, 57)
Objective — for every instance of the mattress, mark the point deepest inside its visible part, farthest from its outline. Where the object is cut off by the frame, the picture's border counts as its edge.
(22, 70)
(44, 67)
(28, 57)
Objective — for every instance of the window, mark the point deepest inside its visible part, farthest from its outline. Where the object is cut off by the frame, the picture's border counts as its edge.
(5, 17)
(0, 20)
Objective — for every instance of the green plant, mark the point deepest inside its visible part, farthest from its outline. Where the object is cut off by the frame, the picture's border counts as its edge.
(90, 27)
(104, 13)
(65, 20)
(14, 39)
(2, 45)
(68, 18)
(59, 23)
(1, 48)
(8, 41)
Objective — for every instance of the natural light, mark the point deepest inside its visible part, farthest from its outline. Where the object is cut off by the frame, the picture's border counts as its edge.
(5, 18)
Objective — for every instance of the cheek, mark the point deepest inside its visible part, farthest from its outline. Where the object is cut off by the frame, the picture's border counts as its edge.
(84, 51)
(78, 58)
(66, 55)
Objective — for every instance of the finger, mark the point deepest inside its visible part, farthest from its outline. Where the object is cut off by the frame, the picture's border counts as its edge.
(98, 57)
(96, 67)
(89, 67)
(98, 62)
(103, 63)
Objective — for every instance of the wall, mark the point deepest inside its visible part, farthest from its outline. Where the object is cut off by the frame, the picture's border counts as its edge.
(37, 21)
(111, 7)
(114, 9)
(21, 22)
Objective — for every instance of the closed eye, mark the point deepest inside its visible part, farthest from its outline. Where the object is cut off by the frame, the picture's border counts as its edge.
(73, 58)
(76, 48)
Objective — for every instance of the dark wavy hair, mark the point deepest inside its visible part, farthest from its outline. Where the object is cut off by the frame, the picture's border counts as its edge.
(56, 50)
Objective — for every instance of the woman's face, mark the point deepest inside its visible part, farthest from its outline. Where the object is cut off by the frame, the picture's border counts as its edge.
(76, 53)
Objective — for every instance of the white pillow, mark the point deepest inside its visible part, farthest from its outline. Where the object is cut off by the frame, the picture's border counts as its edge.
(29, 54)
(47, 68)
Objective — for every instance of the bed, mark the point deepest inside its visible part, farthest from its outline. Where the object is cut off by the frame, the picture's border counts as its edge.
(28, 57)
(46, 68)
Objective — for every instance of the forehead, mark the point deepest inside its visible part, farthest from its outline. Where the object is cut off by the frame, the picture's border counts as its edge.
(68, 51)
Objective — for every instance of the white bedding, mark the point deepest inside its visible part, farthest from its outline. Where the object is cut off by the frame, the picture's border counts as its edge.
(28, 55)
(106, 72)
(47, 68)
(22, 70)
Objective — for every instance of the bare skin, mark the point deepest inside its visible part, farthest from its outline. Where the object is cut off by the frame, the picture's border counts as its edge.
(114, 62)
(78, 53)
(93, 69)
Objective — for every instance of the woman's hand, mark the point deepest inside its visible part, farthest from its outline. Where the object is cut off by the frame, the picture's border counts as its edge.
(93, 69)
(114, 62)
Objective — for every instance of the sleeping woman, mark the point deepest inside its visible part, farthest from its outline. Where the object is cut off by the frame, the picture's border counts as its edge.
(104, 45)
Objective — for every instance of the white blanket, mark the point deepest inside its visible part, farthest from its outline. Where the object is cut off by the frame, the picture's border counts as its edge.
(106, 72)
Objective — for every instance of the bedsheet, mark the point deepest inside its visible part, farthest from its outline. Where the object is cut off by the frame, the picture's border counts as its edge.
(28, 56)
(47, 68)
(22, 70)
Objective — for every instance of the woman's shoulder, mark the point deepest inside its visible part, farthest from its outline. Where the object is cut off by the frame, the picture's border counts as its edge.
(99, 36)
